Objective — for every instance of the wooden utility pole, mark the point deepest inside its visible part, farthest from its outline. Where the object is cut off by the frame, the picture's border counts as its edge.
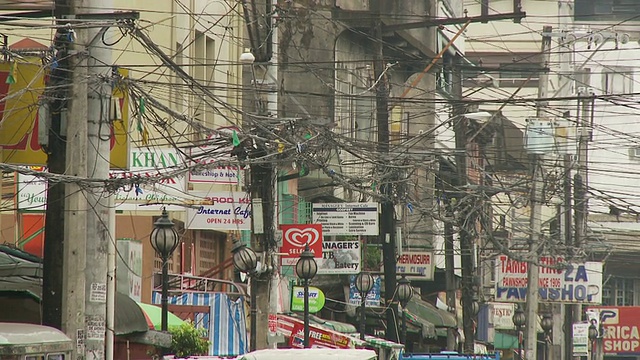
(387, 219)
(56, 150)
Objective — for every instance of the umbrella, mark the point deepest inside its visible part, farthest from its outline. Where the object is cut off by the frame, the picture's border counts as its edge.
(154, 317)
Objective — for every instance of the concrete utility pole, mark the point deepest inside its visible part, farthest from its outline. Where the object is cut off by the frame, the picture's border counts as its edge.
(387, 219)
(535, 221)
(87, 228)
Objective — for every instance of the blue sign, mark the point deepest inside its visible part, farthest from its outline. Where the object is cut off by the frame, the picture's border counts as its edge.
(373, 297)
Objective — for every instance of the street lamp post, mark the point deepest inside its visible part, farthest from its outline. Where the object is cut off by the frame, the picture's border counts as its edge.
(547, 327)
(364, 284)
(519, 320)
(593, 337)
(404, 291)
(306, 269)
(164, 240)
(245, 261)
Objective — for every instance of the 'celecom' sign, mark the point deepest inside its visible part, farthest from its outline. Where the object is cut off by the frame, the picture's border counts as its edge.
(558, 281)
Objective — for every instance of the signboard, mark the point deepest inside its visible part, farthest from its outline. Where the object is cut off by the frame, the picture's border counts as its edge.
(296, 237)
(621, 329)
(129, 269)
(580, 343)
(347, 218)
(316, 299)
(501, 316)
(19, 117)
(211, 154)
(32, 191)
(570, 283)
(148, 162)
(373, 296)
(230, 210)
(340, 257)
(318, 338)
(419, 264)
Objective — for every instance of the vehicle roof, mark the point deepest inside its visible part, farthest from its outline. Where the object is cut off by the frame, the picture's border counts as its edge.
(26, 334)
(315, 354)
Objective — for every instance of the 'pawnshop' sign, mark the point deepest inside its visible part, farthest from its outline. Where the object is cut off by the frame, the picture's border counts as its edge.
(570, 283)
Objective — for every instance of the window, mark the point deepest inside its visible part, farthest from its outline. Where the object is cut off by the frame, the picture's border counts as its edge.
(606, 10)
(618, 292)
(518, 71)
(617, 81)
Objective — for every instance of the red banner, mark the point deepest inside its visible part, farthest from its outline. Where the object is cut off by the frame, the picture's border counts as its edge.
(318, 338)
(621, 329)
(296, 237)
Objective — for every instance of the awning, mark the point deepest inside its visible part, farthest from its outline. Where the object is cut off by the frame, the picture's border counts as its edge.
(425, 311)
(376, 342)
(338, 326)
(291, 327)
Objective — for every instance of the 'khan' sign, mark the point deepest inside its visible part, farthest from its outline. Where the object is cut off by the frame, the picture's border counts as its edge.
(558, 281)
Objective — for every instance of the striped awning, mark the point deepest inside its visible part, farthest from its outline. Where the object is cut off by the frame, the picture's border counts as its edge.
(376, 342)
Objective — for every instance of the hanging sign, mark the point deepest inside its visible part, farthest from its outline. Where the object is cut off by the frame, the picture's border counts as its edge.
(347, 218)
(416, 264)
(373, 296)
(580, 343)
(230, 210)
(340, 257)
(32, 191)
(210, 154)
(558, 281)
(296, 237)
(316, 299)
(621, 325)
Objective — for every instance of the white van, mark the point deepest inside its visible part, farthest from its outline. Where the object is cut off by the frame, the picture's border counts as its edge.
(33, 342)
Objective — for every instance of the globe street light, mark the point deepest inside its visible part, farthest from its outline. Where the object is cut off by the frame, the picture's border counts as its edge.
(164, 240)
(404, 291)
(593, 336)
(245, 261)
(364, 284)
(547, 326)
(306, 269)
(519, 320)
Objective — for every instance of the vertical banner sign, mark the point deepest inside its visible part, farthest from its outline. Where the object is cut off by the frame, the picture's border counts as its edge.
(621, 329)
(373, 297)
(32, 191)
(340, 257)
(129, 269)
(580, 344)
(559, 281)
(296, 237)
(417, 265)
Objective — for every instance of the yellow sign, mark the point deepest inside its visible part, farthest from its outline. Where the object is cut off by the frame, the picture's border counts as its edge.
(19, 117)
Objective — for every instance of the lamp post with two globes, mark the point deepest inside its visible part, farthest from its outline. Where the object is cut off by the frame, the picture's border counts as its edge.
(404, 292)
(306, 269)
(364, 284)
(245, 261)
(519, 319)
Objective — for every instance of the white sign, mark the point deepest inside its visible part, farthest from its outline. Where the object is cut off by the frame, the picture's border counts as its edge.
(558, 281)
(230, 210)
(501, 316)
(147, 163)
(581, 339)
(129, 269)
(415, 264)
(32, 192)
(340, 257)
(347, 218)
(212, 154)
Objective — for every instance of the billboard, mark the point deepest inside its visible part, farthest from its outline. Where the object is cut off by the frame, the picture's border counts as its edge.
(558, 281)
(621, 329)
(19, 117)
(347, 218)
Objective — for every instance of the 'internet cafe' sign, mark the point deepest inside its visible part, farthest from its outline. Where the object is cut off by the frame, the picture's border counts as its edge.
(316, 299)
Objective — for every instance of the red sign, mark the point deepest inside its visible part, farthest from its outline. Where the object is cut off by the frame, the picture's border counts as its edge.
(318, 338)
(621, 329)
(296, 237)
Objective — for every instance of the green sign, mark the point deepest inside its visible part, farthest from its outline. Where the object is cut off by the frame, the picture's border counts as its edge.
(316, 299)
